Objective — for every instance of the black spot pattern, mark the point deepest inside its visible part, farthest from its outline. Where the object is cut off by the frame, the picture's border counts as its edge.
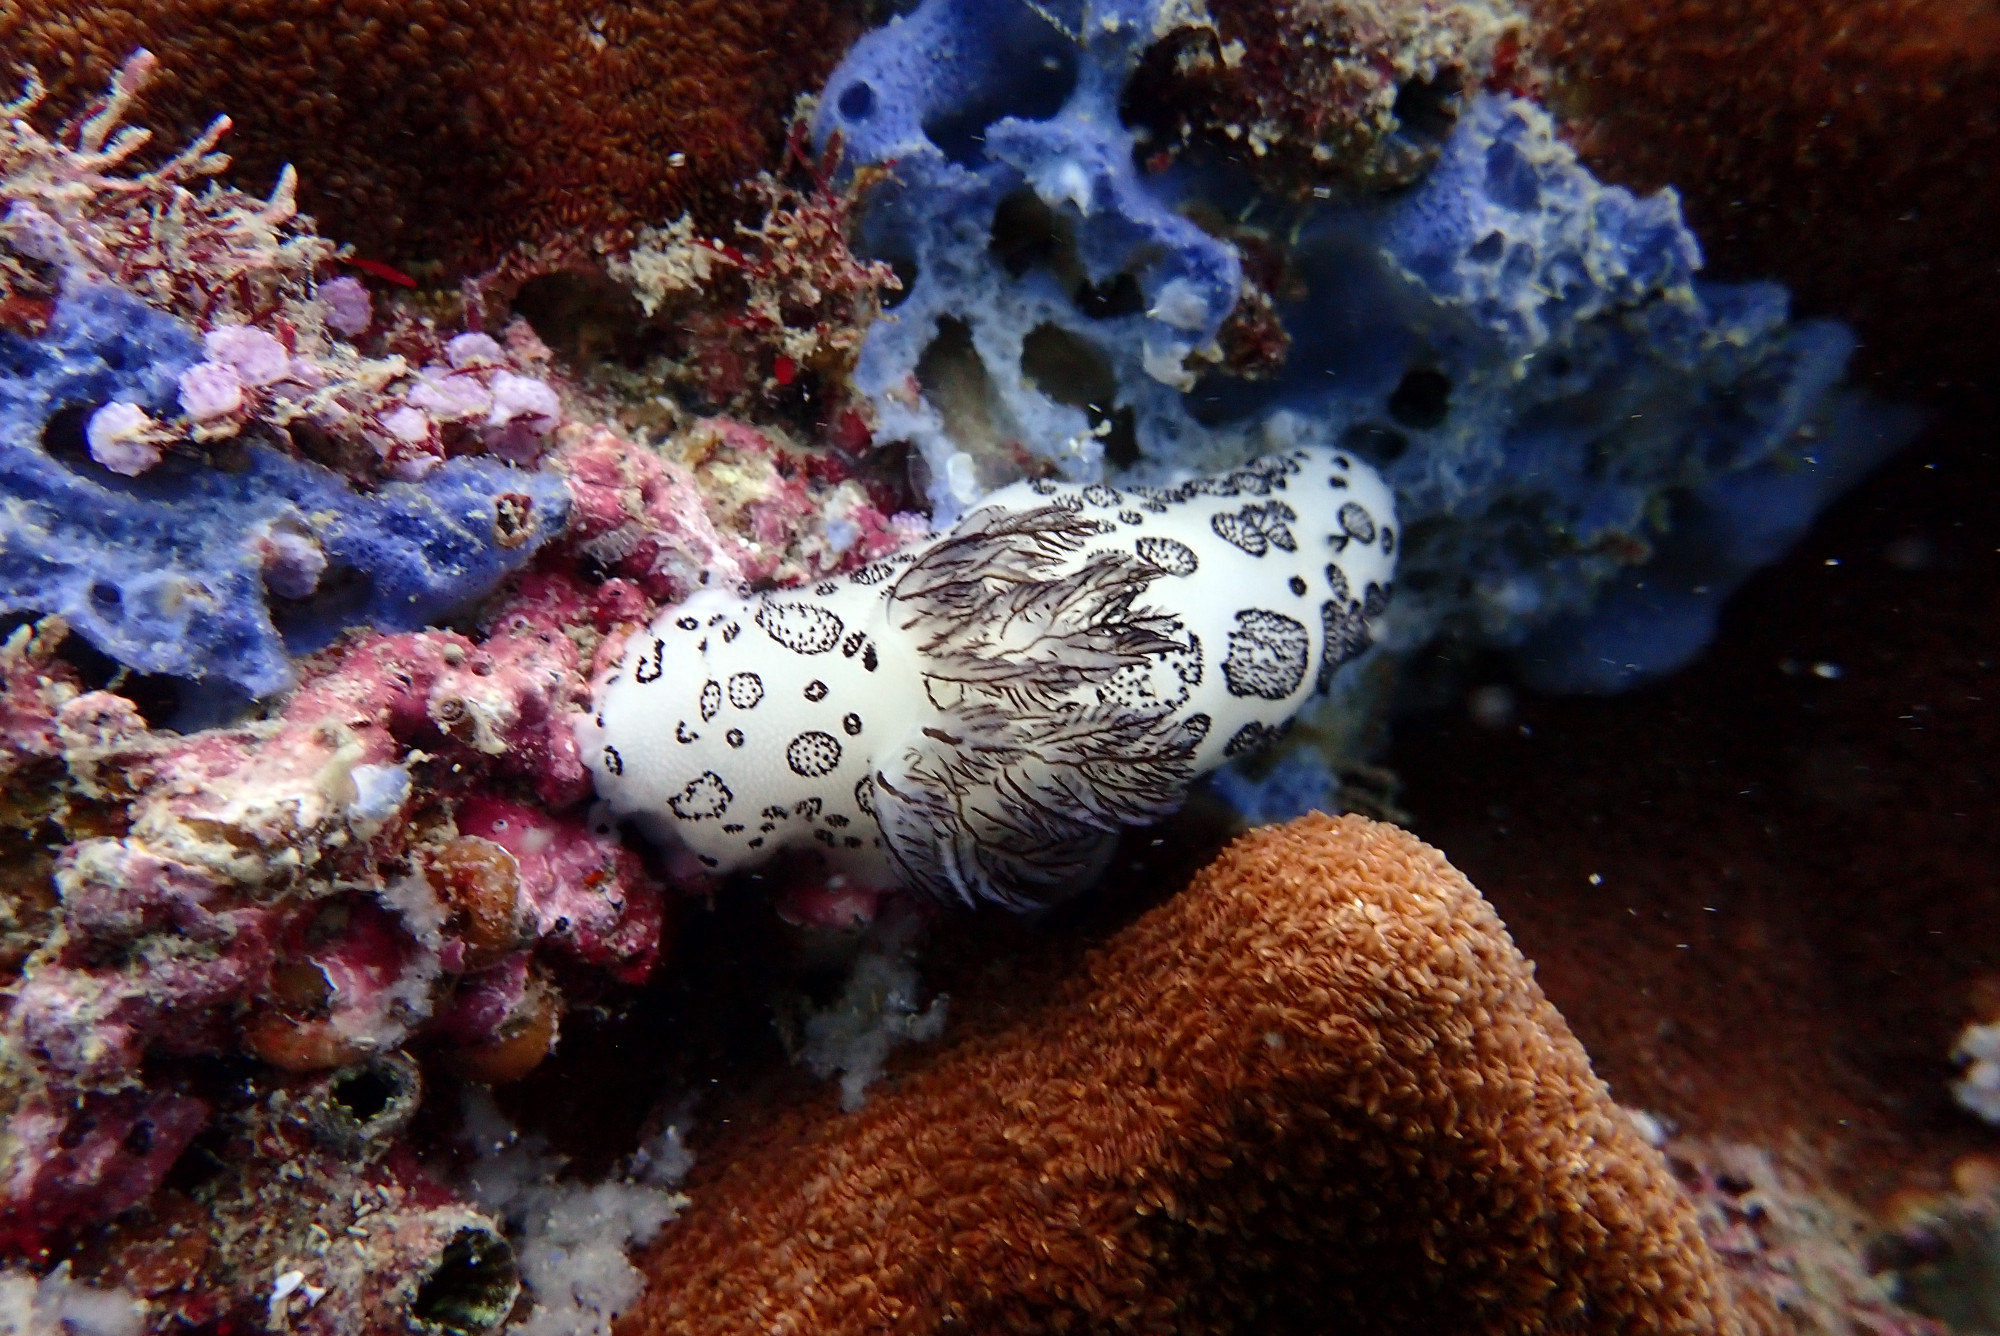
(1100, 495)
(864, 794)
(731, 631)
(851, 725)
(803, 628)
(1152, 499)
(1267, 655)
(711, 700)
(853, 645)
(688, 624)
(1252, 737)
(807, 808)
(733, 828)
(825, 587)
(1375, 601)
(705, 798)
(869, 658)
(1218, 486)
(815, 691)
(1356, 523)
(1297, 585)
(1260, 477)
(1130, 517)
(873, 575)
(1142, 687)
(709, 860)
(813, 755)
(777, 813)
(1257, 529)
(1188, 665)
(734, 737)
(1043, 487)
(682, 736)
(613, 761)
(648, 668)
(745, 690)
(1170, 555)
(1345, 633)
(1196, 728)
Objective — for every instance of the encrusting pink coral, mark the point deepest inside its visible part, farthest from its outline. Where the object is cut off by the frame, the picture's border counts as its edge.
(742, 510)
(270, 888)
(1319, 1089)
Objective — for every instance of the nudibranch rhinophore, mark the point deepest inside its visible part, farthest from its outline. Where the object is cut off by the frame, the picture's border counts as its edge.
(978, 715)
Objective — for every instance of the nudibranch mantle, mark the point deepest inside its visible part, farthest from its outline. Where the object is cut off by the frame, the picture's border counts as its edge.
(976, 716)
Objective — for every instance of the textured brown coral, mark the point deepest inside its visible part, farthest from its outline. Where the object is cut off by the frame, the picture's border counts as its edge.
(450, 130)
(1318, 1090)
(1849, 147)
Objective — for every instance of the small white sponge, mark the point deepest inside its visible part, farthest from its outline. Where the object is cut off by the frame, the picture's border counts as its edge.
(977, 716)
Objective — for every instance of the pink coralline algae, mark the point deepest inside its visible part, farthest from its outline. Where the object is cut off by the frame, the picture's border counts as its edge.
(287, 889)
(745, 509)
(565, 868)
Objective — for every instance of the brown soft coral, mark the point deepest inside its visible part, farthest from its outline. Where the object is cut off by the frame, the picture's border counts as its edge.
(1844, 146)
(1319, 1088)
(451, 130)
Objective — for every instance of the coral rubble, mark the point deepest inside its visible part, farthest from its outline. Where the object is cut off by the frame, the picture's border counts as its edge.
(1319, 1087)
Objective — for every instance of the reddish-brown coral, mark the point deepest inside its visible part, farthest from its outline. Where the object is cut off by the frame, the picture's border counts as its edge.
(1318, 1088)
(1844, 146)
(449, 131)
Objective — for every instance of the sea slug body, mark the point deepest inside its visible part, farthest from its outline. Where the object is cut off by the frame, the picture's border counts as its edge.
(977, 716)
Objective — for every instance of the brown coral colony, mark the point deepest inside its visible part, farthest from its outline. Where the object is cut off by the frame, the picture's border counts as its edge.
(1319, 1089)
(439, 135)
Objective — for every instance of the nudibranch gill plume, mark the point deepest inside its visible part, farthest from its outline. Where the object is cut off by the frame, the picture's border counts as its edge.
(978, 715)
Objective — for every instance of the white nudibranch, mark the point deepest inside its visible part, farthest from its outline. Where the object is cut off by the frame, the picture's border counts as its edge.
(978, 715)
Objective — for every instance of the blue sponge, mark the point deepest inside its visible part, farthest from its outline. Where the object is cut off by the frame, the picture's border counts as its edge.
(166, 572)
